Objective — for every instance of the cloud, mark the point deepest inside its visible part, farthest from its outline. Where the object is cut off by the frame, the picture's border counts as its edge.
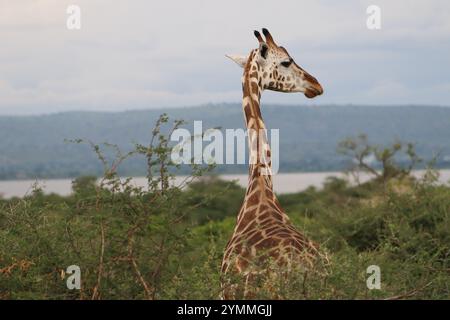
(141, 54)
(388, 89)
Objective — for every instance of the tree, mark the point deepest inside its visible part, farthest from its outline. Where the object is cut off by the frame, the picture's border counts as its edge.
(84, 185)
(382, 162)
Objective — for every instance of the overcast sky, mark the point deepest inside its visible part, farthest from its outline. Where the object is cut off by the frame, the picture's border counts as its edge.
(137, 54)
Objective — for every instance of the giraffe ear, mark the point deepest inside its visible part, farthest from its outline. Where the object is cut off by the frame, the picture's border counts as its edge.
(240, 60)
(263, 49)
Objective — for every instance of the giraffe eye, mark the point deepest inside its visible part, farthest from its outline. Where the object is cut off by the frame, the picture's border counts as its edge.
(286, 64)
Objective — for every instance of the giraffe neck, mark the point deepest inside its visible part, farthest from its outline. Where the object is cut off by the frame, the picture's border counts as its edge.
(260, 168)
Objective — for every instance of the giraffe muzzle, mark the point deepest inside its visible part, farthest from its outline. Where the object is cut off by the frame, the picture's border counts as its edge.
(315, 89)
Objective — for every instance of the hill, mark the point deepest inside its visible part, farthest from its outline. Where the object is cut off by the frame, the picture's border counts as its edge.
(34, 146)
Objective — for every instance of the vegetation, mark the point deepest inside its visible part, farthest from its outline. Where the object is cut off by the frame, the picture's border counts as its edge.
(166, 241)
(385, 158)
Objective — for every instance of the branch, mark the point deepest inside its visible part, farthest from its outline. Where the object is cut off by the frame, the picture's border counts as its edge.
(96, 294)
(409, 293)
(132, 259)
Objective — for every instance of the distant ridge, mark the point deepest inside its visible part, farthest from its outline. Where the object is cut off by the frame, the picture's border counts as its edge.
(34, 147)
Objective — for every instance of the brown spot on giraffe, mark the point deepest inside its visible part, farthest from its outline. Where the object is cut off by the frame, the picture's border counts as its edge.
(255, 88)
(249, 217)
(253, 200)
(248, 113)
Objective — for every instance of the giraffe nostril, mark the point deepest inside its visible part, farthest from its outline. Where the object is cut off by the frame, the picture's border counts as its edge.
(316, 87)
(319, 88)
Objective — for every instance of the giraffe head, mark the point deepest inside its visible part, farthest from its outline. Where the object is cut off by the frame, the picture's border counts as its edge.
(277, 69)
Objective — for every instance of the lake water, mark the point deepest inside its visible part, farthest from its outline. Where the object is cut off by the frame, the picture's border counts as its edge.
(283, 182)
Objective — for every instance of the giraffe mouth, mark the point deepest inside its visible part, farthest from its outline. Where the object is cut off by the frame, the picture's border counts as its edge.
(313, 91)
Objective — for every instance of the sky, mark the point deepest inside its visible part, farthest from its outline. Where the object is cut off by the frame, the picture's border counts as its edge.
(141, 54)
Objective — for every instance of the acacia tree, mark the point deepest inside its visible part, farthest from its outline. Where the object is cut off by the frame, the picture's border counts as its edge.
(382, 162)
(141, 233)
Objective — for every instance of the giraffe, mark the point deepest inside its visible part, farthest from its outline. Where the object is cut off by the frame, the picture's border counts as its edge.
(263, 231)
